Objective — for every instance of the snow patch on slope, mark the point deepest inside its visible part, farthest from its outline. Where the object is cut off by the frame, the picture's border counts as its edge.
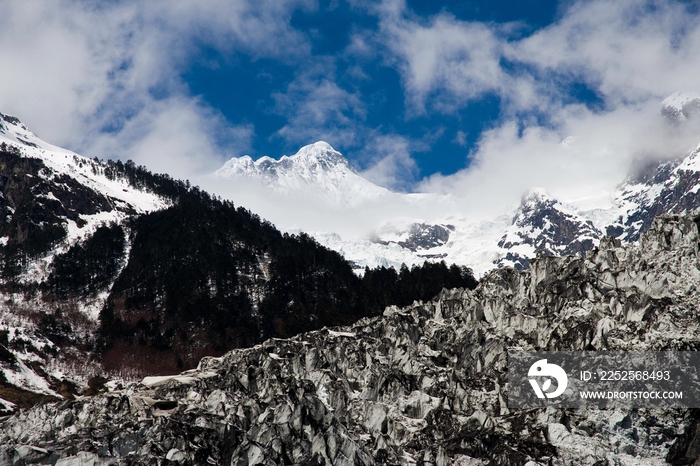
(82, 169)
(680, 106)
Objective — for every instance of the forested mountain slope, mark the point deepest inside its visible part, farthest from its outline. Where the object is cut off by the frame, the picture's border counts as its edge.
(105, 266)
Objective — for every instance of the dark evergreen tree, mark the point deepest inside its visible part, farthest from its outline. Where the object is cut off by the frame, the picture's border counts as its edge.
(90, 266)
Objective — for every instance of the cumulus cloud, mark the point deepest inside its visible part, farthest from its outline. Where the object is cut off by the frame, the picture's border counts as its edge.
(176, 135)
(96, 76)
(390, 161)
(317, 108)
(630, 54)
(581, 161)
(629, 51)
(444, 63)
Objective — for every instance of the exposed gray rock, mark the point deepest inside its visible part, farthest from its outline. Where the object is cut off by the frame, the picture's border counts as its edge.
(666, 188)
(543, 225)
(421, 237)
(420, 385)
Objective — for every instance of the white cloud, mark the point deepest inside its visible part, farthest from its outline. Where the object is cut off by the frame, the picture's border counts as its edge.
(460, 138)
(631, 53)
(585, 169)
(175, 136)
(628, 50)
(316, 108)
(95, 76)
(102, 78)
(444, 63)
(390, 161)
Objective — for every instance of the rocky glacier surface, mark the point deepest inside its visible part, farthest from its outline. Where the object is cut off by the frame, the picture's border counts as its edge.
(421, 385)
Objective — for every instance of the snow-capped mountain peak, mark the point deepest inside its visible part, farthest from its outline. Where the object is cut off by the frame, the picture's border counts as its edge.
(13, 130)
(321, 154)
(315, 170)
(439, 229)
(543, 224)
(535, 196)
(680, 106)
(311, 159)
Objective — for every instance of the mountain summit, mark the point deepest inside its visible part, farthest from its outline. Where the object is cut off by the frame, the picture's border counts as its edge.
(316, 170)
(543, 224)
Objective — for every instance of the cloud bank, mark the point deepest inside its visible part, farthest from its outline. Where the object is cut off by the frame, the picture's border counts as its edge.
(102, 78)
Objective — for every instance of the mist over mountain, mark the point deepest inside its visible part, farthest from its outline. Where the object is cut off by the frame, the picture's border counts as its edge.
(317, 191)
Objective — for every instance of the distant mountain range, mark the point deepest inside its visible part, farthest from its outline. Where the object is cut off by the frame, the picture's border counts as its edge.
(322, 178)
(316, 170)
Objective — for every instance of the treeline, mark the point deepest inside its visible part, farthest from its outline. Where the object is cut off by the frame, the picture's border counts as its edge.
(383, 286)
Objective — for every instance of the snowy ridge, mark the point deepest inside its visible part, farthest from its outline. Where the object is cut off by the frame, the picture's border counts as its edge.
(90, 173)
(15, 133)
(454, 238)
(680, 105)
(673, 188)
(365, 253)
(544, 225)
(316, 170)
(22, 318)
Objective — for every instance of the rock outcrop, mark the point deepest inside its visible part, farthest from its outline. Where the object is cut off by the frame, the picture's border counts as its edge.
(544, 225)
(421, 385)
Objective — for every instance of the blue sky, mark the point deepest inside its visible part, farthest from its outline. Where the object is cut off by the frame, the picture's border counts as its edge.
(471, 98)
(247, 90)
